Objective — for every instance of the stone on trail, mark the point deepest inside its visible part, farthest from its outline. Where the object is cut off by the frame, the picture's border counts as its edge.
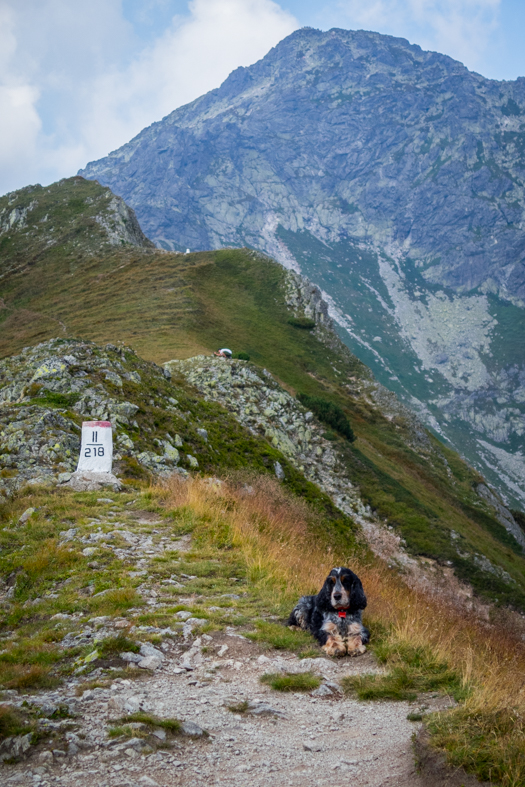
(262, 709)
(312, 746)
(150, 662)
(319, 666)
(87, 481)
(131, 657)
(279, 472)
(15, 746)
(322, 691)
(192, 729)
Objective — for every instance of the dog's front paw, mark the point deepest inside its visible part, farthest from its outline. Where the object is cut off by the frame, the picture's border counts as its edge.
(334, 647)
(355, 646)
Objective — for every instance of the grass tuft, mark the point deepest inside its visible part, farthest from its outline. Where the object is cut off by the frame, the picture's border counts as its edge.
(240, 707)
(483, 738)
(12, 723)
(303, 681)
(27, 678)
(112, 646)
(170, 725)
(414, 670)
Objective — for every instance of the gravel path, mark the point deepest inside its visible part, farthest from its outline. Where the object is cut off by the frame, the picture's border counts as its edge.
(282, 739)
(316, 738)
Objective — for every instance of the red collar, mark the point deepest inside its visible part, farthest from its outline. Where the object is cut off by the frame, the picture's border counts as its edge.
(341, 613)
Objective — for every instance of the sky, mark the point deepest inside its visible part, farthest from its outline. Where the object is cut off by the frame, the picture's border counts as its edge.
(79, 78)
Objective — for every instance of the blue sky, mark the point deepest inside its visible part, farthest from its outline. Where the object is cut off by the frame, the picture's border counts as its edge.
(78, 78)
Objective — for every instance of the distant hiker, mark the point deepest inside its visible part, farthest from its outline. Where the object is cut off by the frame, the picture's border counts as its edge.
(224, 353)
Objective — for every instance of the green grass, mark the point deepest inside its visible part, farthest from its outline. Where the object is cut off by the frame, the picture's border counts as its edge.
(13, 722)
(413, 670)
(303, 681)
(489, 744)
(112, 646)
(280, 637)
(239, 707)
(152, 722)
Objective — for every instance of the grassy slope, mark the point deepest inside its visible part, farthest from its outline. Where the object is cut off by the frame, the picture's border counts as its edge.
(174, 306)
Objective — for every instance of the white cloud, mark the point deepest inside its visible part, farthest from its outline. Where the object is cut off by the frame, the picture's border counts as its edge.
(459, 28)
(193, 56)
(76, 82)
(20, 123)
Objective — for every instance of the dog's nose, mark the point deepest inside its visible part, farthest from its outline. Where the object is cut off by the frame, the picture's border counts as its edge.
(337, 596)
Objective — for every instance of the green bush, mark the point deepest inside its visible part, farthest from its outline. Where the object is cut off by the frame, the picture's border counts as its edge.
(519, 516)
(242, 356)
(329, 413)
(302, 322)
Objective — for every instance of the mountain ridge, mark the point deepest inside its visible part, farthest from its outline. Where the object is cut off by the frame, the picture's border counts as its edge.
(170, 306)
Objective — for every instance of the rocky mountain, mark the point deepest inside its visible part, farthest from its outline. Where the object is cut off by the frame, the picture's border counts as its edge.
(394, 179)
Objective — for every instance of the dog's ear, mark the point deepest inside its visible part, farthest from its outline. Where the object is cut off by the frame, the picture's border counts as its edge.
(357, 596)
(324, 595)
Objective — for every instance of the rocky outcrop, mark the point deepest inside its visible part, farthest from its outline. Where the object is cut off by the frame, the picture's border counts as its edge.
(260, 404)
(48, 390)
(395, 180)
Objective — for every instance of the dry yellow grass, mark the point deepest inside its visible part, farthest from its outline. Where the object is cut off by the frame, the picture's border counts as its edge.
(286, 555)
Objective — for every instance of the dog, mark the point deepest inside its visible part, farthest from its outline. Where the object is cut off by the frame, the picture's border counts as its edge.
(334, 615)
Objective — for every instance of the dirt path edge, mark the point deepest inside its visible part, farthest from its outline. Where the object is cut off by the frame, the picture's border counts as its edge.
(434, 769)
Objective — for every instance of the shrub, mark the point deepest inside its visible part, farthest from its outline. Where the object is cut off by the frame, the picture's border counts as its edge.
(302, 322)
(54, 399)
(329, 413)
(519, 516)
(242, 356)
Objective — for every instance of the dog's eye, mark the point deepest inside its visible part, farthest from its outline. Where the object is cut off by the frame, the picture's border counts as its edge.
(333, 579)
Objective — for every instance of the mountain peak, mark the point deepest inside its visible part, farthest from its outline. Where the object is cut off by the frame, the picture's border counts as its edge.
(394, 179)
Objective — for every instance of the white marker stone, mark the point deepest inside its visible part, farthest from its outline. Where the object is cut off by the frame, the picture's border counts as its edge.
(96, 451)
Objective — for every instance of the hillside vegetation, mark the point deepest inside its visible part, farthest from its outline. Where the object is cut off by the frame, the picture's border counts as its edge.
(70, 280)
(72, 557)
(93, 580)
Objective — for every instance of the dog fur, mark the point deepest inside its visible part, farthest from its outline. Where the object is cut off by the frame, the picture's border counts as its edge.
(338, 634)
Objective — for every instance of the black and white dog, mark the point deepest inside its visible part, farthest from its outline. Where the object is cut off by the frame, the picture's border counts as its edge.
(334, 615)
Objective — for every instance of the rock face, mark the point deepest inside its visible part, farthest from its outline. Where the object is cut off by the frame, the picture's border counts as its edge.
(48, 390)
(392, 177)
(59, 212)
(264, 407)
